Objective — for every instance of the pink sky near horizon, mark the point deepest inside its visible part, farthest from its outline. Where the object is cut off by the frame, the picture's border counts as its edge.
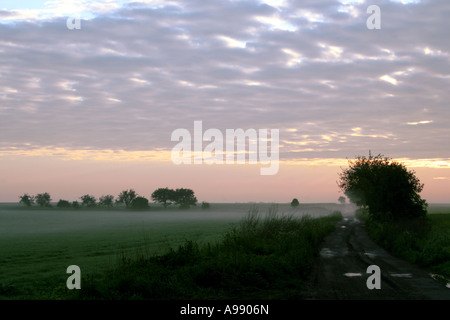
(70, 179)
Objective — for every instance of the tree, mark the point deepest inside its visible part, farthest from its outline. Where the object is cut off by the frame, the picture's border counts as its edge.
(295, 203)
(165, 196)
(205, 205)
(126, 197)
(43, 199)
(75, 205)
(139, 203)
(341, 200)
(63, 204)
(26, 200)
(384, 186)
(184, 198)
(106, 201)
(88, 200)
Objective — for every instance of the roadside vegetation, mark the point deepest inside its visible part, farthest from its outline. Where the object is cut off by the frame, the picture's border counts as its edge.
(258, 258)
(395, 215)
(424, 242)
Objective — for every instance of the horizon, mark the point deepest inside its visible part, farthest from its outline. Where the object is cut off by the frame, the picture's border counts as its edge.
(92, 93)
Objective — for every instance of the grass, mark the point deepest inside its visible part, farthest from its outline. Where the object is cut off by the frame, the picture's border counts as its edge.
(258, 258)
(424, 242)
(38, 245)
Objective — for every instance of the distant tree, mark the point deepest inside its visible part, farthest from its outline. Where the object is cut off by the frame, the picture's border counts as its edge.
(88, 201)
(26, 200)
(106, 201)
(165, 196)
(75, 205)
(341, 200)
(43, 199)
(295, 203)
(63, 204)
(385, 187)
(205, 205)
(184, 198)
(126, 197)
(139, 203)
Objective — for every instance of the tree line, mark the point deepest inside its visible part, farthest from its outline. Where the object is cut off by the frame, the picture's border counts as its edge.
(182, 197)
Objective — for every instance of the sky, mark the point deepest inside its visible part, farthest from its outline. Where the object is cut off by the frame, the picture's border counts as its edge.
(92, 109)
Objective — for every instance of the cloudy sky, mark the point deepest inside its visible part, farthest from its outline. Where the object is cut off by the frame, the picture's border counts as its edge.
(91, 110)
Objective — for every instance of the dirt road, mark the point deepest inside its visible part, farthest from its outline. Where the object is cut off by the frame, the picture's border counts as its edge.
(341, 270)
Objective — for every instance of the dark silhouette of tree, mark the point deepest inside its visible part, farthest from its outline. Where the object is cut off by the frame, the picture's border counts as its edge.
(205, 205)
(75, 205)
(165, 196)
(184, 198)
(126, 197)
(88, 201)
(43, 199)
(106, 201)
(63, 204)
(139, 203)
(295, 203)
(384, 186)
(26, 200)
(341, 200)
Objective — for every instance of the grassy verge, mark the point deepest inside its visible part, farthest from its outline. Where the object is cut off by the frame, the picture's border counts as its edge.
(424, 242)
(258, 258)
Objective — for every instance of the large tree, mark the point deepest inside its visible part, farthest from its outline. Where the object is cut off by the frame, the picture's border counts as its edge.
(106, 201)
(185, 198)
(88, 200)
(126, 197)
(165, 196)
(384, 186)
(43, 199)
(26, 200)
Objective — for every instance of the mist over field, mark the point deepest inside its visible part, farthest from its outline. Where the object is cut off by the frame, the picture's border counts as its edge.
(22, 222)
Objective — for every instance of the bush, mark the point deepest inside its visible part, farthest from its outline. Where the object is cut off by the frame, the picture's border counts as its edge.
(63, 204)
(205, 205)
(295, 203)
(75, 205)
(139, 203)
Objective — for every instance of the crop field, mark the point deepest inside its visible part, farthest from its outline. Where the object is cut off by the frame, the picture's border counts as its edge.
(37, 245)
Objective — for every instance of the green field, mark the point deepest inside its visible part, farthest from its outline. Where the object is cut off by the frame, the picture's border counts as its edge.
(37, 245)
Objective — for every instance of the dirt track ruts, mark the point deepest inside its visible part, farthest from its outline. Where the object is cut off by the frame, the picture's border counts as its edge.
(340, 271)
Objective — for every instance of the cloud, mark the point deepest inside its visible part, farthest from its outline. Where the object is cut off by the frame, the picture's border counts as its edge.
(135, 72)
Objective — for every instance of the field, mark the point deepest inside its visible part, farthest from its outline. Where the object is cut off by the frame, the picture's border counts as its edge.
(37, 245)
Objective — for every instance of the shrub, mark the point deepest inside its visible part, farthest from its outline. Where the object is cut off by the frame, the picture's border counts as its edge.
(205, 205)
(75, 205)
(63, 204)
(139, 203)
(295, 203)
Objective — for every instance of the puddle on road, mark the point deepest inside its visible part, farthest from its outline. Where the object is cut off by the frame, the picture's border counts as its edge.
(353, 274)
(401, 275)
(370, 255)
(327, 253)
